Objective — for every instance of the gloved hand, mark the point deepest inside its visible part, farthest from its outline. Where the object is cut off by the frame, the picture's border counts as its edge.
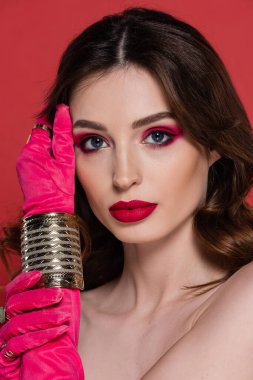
(46, 170)
(33, 320)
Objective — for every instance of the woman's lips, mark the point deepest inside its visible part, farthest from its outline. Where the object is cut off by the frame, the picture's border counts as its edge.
(121, 205)
(131, 211)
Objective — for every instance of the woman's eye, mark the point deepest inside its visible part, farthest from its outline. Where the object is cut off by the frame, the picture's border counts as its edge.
(92, 143)
(156, 139)
(160, 137)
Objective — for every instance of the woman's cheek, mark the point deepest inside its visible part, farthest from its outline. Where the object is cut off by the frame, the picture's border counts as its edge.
(91, 173)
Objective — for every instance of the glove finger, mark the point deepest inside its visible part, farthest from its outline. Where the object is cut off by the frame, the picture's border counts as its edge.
(43, 120)
(39, 142)
(62, 142)
(9, 369)
(23, 281)
(32, 321)
(32, 299)
(22, 343)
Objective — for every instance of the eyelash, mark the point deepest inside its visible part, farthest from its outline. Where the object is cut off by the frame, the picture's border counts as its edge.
(154, 145)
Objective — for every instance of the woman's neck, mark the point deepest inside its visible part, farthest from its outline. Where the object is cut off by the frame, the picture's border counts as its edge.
(155, 272)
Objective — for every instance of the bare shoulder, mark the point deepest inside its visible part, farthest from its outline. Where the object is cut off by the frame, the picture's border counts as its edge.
(220, 344)
(235, 294)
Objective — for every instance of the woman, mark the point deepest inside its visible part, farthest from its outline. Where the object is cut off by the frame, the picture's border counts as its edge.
(155, 119)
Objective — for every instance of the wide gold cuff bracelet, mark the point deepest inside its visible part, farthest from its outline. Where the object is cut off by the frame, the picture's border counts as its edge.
(50, 242)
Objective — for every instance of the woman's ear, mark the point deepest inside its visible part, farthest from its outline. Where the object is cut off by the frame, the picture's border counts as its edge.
(213, 156)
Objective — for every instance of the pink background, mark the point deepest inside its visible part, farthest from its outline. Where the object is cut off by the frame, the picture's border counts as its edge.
(34, 34)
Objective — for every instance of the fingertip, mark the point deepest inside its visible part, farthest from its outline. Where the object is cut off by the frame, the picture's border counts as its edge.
(62, 123)
(37, 273)
(33, 273)
(24, 276)
(33, 277)
(62, 329)
(53, 332)
(62, 107)
(63, 113)
(22, 282)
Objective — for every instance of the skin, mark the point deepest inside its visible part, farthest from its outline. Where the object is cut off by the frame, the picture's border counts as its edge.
(146, 306)
(160, 251)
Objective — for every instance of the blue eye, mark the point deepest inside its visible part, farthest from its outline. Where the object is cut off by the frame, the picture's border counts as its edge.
(159, 137)
(95, 143)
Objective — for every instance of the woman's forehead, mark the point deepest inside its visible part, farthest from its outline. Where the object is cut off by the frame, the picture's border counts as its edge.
(126, 82)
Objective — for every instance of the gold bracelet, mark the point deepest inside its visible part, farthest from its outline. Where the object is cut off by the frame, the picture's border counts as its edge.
(50, 242)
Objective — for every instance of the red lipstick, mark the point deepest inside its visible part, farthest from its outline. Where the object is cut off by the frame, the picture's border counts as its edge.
(131, 211)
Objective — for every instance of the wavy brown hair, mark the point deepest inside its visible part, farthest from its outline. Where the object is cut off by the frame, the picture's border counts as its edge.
(204, 101)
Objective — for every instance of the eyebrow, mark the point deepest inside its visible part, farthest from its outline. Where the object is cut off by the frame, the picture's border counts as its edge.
(136, 124)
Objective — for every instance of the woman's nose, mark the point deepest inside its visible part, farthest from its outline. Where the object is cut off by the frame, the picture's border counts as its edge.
(126, 171)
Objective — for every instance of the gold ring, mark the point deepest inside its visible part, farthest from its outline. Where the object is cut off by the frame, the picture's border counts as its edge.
(10, 355)
(45, 127)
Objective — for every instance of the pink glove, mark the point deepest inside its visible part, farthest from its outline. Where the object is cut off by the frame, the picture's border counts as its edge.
(26, 328)
(46, 170)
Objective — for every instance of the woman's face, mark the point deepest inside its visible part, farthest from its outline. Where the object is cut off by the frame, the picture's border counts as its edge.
(153, 161)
